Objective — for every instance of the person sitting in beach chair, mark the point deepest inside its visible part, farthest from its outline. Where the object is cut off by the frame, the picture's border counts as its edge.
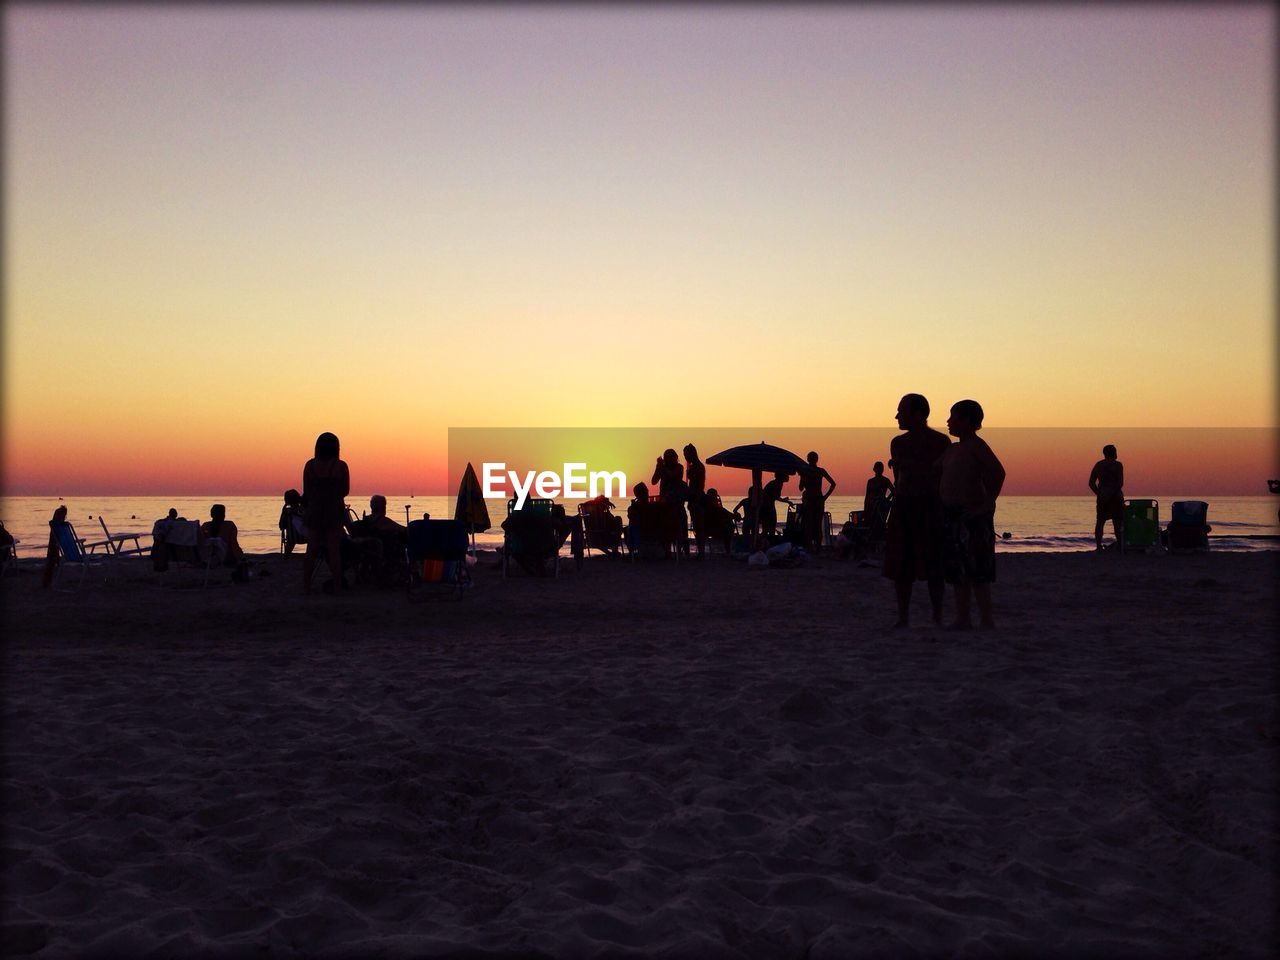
(292, 523)
(601, 529)
(530, 538)
(8, 549)
(717, 522)
(219, 543)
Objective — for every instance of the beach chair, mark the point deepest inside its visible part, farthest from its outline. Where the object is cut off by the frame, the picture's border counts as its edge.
(656, 530)
(8, 551)
(529, 532)
(1142, 525)
(74, 550)
(1188, 530)
(436, 552)
(116, 541)
(600, 531)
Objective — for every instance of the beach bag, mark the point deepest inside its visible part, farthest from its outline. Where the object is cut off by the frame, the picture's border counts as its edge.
(758, 559)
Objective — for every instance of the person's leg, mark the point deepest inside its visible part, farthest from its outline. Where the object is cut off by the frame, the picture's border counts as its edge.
(334, 539)
(309, 564)
(936, 590)
(983, 592)
(1097, 532)
(962, 620)
(1117, 526)
(903, 590)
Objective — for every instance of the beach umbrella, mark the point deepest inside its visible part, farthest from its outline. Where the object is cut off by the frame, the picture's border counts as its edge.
(758, 457)
(471, 509)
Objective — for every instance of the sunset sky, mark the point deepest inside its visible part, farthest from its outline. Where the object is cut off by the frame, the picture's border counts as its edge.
(228, 229)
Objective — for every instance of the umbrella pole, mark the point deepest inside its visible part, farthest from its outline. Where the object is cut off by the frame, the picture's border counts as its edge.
(757, 479)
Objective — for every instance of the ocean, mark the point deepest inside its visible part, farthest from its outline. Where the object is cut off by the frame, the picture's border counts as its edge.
(1035, 524)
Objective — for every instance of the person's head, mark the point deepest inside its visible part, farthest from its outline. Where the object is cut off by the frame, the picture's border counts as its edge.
(292, 497)
(877, 468)
(966, 418)
(812, 458)
(641, 491)
(913, 411)
(378, 505)
(781, 476)
(326, 447)
(218, 512)
(60, 514)
(669, 456)
(1109, 451)
(713, 494)
(690, 453)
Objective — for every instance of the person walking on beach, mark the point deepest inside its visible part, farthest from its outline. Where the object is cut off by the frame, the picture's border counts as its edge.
(912, 533)
(972, 477)
(813, 502)
(326, 481)
(1106, 480)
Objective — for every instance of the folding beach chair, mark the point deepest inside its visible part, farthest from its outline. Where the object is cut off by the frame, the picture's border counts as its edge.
(656, 530)
(1141, 525)
(436, 551)
(74, 550)
(1188, 529)
(600, 530)
(530, 532)
(116, 541)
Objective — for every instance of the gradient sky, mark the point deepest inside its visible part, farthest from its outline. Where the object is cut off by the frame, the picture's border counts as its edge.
(228, 229)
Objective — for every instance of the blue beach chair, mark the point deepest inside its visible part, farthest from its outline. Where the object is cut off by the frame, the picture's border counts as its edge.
(436, 551)
(74, 550)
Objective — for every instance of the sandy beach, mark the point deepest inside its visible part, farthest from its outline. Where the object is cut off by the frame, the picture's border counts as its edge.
(665, 760)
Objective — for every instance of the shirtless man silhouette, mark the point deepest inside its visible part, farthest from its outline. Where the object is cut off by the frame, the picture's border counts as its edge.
(913, 548)
(1107, 483)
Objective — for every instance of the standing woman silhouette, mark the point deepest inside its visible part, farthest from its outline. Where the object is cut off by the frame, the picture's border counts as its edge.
(325, 485)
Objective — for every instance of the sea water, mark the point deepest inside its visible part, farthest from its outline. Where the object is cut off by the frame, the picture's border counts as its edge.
(1035, 524)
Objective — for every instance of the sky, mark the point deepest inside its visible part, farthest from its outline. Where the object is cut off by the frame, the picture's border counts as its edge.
(229, 229)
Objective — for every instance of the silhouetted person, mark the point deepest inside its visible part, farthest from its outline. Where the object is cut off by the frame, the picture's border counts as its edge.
(972, 477)
(813, 502)
(913, 532)
(291, 514)
(695, 492)
(769, 498)
(879, 490)
(640, 497)
(51, 555)
(326, 481)
(716, 520)
(746, 512)
(1106, 480)
(668, 474)
(219, 526)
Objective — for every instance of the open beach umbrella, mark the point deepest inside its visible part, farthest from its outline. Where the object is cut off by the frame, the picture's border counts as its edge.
(758, 457)
(471, 509)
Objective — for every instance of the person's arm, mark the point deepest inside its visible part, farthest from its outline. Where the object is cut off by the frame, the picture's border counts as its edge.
(830, 480)
(657, 472)
(345, 474)
(1119, 475)
(991, 470)
(1093, 480)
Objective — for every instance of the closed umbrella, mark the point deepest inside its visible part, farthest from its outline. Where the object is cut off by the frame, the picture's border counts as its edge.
(758, 457)
(471, 509)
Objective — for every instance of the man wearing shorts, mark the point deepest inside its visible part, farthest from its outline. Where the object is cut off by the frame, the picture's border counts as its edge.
(1107, 483)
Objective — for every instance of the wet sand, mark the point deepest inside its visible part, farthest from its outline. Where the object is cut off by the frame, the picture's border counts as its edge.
(694, 760)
